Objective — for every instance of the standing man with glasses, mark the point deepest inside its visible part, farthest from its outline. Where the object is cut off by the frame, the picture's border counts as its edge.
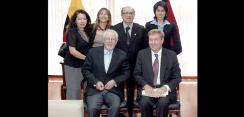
(131, 40)
(157, 74)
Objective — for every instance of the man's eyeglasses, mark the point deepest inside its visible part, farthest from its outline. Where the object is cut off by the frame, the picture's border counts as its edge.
(128, 13)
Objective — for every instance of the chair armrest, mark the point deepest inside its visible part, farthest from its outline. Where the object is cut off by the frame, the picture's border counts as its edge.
(178, 93)
(125, 91)
(63, 73)
(135, 92)
(82, 90)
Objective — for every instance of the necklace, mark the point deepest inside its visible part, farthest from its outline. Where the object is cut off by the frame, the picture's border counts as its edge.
(101, 28)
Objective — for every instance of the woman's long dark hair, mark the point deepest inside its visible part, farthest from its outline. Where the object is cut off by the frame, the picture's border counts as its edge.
(73, 25)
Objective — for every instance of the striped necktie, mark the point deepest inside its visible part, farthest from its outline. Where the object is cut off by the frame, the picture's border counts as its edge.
(155, 69)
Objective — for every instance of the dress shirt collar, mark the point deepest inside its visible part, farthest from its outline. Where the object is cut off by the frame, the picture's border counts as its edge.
(155, 22)
(107, 52)
(125, 25)
(159, 53)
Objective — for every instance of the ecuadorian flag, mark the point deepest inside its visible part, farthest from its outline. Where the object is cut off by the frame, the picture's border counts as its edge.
(74, 5)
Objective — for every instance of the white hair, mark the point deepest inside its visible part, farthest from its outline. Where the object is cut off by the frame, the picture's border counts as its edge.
(110, 31)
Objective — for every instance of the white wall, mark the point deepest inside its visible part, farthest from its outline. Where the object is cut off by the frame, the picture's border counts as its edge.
(184, 11)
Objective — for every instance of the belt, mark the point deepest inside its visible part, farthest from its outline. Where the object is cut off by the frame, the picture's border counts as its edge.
(156, 86)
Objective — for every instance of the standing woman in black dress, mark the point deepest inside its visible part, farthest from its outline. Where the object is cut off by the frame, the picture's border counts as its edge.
(78, 41)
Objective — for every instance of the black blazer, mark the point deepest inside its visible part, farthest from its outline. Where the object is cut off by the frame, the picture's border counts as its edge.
(170, 31)
(93, 70)
(170, 72)
(136, 43)
(74, 39)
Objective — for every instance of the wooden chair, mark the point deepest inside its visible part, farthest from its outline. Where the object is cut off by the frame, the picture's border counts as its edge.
(174, 107)
(63, 86)
(104, 108)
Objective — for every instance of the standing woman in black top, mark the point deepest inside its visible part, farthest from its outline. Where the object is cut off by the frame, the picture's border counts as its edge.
(78, 41)
(161, 23)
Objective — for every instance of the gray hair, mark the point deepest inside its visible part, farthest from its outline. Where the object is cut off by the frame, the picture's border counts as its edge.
(110, 31)
(129, 7)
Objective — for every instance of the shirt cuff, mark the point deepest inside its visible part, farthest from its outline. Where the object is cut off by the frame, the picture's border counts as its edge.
(167, 86)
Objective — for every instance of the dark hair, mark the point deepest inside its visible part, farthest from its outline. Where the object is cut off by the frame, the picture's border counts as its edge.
(109, 23)
(73, 25)
(162, 4)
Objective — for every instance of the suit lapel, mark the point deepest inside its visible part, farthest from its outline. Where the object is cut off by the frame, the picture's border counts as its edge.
(101, 57)
(167, 29)
(121, 28)
(133, 33)
(149, 61)
(163, 66)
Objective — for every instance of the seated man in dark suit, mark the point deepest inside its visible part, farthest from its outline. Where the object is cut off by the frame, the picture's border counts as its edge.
(106, 68)
(158, 74)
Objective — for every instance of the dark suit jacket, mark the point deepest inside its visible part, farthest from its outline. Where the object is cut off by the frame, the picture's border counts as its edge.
(136, 43)
(170, 31)
(93, 70)
(170, 72)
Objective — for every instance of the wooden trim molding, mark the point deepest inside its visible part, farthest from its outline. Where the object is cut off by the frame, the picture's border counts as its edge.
(55, 76)
(189, 78)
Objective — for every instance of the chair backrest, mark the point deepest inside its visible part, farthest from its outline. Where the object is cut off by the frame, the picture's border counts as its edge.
(178, 93)
(62, 64)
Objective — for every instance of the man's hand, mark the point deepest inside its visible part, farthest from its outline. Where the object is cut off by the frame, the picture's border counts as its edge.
(158, 92)
(148, 90)
(162, 90)
(99, 85)
(110, 84)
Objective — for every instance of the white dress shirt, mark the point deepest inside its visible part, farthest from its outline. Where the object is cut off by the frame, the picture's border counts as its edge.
(125, 25)
(107, 58)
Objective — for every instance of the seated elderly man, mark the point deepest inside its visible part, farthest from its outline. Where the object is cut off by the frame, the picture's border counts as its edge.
(106, 68)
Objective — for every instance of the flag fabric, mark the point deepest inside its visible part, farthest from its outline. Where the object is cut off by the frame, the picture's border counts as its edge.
(65, 26)
(74, 5)
(171, 18)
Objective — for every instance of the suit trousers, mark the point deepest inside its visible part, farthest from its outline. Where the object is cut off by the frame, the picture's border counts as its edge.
(94, 103)
(147, 103)
(131, 87)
